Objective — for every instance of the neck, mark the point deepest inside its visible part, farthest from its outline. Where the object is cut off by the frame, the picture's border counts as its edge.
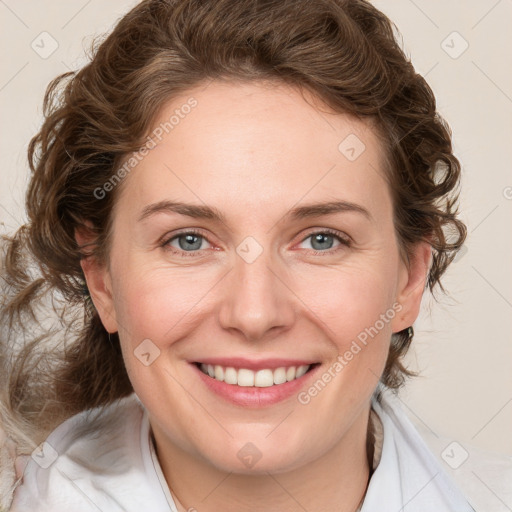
(336, 481)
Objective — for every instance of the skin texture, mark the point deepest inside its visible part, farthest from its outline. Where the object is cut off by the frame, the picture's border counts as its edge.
(254, 151)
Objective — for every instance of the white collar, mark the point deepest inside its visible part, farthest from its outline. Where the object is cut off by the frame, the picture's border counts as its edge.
(146, 436)
(106, 462)
(407, 478)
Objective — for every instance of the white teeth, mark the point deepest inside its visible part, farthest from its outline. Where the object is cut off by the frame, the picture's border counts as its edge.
(301, 370)
(280, 375)
(248, 378)
(245, 377)
(230, 376)
(219, 372)
(290, 373)
(264, 379)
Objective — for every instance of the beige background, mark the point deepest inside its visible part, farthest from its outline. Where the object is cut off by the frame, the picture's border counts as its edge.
(463, 344)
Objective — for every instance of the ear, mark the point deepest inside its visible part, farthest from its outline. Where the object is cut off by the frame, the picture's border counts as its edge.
(98, 281)
(411, 284)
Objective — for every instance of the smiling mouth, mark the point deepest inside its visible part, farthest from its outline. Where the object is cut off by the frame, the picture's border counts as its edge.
(263, 378)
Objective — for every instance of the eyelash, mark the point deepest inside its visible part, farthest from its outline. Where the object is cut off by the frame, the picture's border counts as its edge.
(344, 240)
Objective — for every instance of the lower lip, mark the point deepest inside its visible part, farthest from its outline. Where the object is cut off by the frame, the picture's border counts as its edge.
(254, 396)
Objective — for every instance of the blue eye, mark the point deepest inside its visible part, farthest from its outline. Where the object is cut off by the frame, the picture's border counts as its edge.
(190, 242)
(322, 241)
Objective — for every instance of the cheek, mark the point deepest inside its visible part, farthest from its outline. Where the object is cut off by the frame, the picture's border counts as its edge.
(164, 303)
(156, 310)
(350, 301)
(160, 304)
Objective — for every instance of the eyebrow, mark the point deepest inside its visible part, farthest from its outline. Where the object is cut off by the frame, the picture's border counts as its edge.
(211, 213)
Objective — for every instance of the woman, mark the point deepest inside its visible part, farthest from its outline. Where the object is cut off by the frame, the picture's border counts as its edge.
(216, 356)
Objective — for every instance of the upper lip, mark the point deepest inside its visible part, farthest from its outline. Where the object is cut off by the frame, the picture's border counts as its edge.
(252, 364)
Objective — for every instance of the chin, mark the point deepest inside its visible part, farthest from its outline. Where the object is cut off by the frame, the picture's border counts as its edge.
(246, 457)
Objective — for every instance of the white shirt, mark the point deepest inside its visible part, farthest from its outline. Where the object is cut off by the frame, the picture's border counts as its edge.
(107, 463)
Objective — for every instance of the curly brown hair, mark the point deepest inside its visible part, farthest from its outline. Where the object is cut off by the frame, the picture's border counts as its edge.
(343, 51)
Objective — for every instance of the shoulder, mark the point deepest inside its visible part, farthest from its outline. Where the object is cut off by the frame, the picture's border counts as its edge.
(481, 478)
(85, 461)
(484, 476)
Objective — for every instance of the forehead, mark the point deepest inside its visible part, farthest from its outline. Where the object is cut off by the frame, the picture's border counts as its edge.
(255, 144)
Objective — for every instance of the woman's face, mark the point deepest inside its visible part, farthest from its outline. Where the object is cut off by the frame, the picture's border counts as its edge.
(269, 284)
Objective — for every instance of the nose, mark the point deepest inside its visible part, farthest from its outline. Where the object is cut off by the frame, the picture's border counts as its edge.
(257, 300)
